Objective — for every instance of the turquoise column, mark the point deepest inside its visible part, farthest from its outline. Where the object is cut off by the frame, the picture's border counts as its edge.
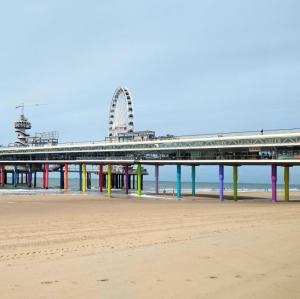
(15, 176)
(178, 181)
(193, 180)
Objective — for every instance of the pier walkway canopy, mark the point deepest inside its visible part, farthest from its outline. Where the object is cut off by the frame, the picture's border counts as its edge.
(281, 145)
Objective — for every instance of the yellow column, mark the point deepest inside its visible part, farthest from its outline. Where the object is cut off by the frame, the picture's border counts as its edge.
(83, 177)
(109, 180)
(287, 183)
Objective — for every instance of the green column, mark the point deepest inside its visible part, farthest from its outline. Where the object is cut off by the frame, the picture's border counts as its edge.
(235, 183)
(287, 183)
(139, 178)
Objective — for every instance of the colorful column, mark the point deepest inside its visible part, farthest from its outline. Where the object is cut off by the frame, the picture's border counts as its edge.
(178, 181)
(126, 180)
(109, 179)
(221, 178)
(46, 175)
(139, 179)
(2, 175)
(34, 179)
(274, 183)
(84, 178)
(101, 177)
(15, 176)
(29, 177)
(235, 183)
(193, 180)
(287, 183)
(62, 177)
(157, 179)
(89, 180)
(66, 174)
(80, 177)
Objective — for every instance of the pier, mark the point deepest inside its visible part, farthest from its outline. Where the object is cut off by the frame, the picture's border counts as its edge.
(122, 165)
(121, 160)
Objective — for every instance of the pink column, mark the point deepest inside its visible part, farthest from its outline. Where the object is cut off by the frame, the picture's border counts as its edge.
(2, 175)
(101, 177)
(46, 176)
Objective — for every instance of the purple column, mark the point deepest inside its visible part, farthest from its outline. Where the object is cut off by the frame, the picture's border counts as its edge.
(156, 179)
(274, 183)
(126, 180)
(221, 178)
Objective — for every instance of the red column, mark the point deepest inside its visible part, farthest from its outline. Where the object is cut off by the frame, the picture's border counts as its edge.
(101, 177)
(46, 176)
(66, 177)
(2, 175)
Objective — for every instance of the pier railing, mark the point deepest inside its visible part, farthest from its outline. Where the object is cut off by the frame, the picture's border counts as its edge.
(217, 138)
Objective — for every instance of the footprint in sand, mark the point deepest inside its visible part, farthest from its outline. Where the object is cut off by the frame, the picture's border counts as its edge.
(103, 280)
(49, 282)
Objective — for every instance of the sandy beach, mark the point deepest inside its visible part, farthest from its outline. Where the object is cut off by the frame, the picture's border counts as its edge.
(77, 246)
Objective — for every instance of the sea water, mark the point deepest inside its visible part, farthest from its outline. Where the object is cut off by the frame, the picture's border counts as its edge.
(148, 187)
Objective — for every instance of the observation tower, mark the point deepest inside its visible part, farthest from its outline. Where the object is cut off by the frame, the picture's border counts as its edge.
(22, 125)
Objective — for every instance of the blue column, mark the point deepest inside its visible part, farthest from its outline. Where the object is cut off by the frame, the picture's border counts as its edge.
(62, 177)
(193, 180)
(178, 181)
(15, 176)
(221, 177)
(80, 177)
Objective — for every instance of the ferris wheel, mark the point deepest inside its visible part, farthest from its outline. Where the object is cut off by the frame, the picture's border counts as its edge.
(121, 113)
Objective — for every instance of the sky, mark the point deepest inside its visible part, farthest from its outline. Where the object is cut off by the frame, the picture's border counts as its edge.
(192, 66)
